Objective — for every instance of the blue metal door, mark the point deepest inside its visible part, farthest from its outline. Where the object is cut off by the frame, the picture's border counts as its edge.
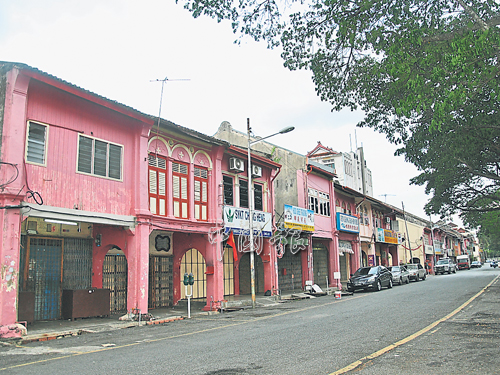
(44, 276)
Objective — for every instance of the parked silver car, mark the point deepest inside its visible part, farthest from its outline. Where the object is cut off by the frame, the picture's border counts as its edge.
(417, 272)
(400, 275)
(445, 265)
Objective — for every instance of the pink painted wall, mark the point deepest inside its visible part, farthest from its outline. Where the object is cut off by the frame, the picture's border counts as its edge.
(355, 262)
(11, 195)
(322, 224)
(59, 183)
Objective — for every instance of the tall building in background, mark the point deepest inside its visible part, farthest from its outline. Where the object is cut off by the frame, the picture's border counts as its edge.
(350, 167)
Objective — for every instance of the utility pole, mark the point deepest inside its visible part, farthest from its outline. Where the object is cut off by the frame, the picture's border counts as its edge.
(433, 248)
(407, 234)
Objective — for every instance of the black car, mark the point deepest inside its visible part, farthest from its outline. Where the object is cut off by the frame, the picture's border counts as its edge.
(370, 278)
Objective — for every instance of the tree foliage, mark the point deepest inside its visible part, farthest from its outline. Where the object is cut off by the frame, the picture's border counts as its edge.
(425, 73)
(490, 243)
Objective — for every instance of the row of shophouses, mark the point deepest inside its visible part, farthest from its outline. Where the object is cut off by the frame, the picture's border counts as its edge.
(97, 195)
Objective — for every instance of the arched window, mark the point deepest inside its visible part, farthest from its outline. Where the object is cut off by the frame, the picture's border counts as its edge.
(193, 262)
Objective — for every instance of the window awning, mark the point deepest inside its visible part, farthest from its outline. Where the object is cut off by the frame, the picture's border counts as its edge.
(345, 247)
(66, 214)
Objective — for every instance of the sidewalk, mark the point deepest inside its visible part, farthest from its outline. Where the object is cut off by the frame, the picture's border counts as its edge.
(56, 329)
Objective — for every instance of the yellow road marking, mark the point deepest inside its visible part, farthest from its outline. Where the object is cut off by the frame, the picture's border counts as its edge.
(388, 348)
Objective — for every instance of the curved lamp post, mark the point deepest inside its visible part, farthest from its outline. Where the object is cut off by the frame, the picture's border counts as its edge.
(251, 202)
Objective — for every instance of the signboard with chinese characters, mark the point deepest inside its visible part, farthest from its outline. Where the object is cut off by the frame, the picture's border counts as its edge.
(388, 236)
(347, 223)
(299, 218)
(238, 220)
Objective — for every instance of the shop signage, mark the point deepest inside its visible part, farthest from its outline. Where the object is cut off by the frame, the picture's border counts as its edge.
(345, 247)
(299, 218)
(437, 246)
(371, 260)
(347, 223)
(429, 249)
(388, 236)
(238, 220)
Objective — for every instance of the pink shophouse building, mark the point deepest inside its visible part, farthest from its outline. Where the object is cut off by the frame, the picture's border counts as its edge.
(105, 206)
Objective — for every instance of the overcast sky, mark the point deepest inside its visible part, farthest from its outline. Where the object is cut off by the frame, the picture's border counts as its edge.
(116, 48)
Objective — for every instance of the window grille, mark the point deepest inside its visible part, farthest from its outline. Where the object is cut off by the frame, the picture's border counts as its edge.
(228, 190)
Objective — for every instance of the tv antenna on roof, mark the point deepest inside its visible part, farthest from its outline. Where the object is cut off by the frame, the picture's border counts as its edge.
(385, 195)
(161, 96)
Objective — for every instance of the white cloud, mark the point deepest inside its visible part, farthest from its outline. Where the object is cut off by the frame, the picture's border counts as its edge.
(116, 48)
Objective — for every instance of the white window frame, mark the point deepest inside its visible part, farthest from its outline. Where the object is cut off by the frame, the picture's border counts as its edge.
(319, 201)
(45, 143)
(92, 158)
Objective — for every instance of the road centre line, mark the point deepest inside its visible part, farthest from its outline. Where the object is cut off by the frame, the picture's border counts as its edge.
(239, 323)
(388, 348)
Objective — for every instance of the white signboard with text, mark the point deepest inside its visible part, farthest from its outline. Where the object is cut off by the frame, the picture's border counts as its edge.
(299, 218)
(238, 220)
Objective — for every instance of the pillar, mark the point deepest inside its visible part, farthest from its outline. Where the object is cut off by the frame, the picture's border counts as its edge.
(215, 275)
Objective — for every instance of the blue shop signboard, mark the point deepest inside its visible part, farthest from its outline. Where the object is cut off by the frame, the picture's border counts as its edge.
(347, 223)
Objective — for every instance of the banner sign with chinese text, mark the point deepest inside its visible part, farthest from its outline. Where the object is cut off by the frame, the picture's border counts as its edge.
(347, 223)
(299, 218)
(388, 236)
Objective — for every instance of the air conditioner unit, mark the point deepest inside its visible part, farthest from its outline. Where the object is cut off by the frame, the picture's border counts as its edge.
(256, 171)
(236, 164)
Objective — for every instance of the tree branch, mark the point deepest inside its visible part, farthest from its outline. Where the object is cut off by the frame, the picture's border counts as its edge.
(494, 21)
(474, 15)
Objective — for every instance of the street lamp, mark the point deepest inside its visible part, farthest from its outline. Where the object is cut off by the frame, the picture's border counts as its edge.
(251, 202)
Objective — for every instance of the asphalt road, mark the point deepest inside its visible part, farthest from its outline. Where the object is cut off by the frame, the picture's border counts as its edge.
(446, 324)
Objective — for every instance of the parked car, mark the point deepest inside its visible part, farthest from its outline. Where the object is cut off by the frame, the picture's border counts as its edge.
(445, 265)
(476, 264)
(493, 264)
(370, 278)
(400, 275)
(417, 272)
